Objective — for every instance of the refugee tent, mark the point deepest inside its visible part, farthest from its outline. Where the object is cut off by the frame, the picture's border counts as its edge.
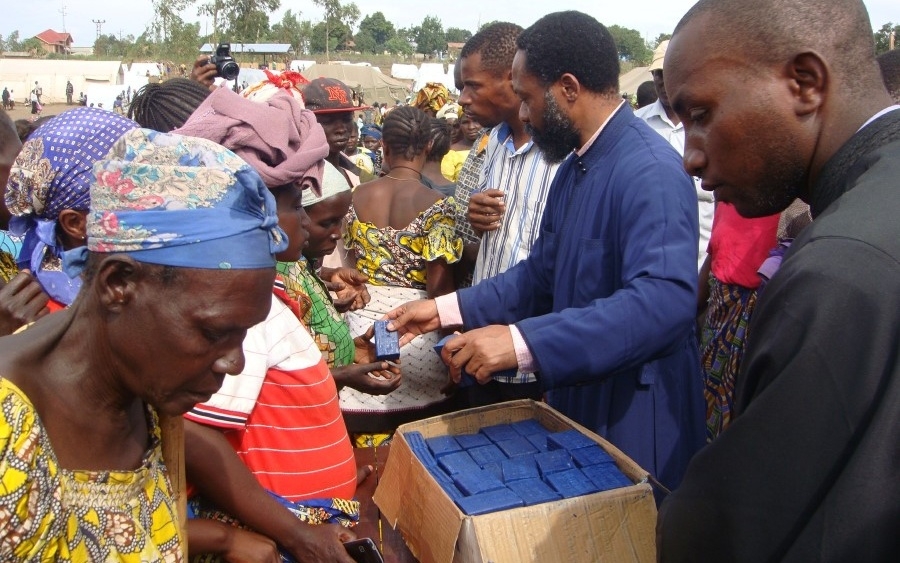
(298, 65)
(404, 72)
(19, 76)
(375, 86)
(433, 72)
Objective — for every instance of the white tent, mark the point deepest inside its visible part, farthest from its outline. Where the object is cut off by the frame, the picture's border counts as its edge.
(404, 72)
(298, 65)
(433, 72)
(375, 86)
(19, 76)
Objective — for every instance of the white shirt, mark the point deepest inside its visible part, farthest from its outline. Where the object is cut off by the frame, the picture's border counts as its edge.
(655, 116)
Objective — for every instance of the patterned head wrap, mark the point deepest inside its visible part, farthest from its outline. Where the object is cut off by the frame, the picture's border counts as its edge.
(287, 81)
(432, 97)
(282, 141)
(180, 201)
(370, 131)
(51, 174)
(333, 183)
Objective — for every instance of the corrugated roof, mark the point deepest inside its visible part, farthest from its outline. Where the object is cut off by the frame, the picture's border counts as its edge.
(260, 48)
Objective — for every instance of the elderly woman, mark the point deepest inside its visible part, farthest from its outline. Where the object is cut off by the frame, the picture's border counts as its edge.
(154, 329)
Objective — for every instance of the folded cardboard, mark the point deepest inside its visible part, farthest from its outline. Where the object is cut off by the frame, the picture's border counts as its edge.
(615, 526)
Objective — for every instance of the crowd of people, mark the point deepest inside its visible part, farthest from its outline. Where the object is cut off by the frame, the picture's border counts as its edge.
(709, 281)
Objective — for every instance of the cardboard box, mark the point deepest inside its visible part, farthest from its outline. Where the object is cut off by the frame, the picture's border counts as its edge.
(616, 526)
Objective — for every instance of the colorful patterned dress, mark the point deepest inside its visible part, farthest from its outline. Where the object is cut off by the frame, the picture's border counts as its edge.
(395, 261)
(48, 513)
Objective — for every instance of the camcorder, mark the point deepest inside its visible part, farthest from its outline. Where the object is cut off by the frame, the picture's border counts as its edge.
(226, 67)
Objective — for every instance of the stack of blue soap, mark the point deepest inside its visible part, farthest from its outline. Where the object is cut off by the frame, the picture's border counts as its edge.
(520, 464)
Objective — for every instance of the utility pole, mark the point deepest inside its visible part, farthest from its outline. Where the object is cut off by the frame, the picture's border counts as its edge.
(99, 24)
(63, 12)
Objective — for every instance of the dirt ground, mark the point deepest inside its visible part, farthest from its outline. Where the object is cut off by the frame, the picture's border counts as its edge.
(23, 111)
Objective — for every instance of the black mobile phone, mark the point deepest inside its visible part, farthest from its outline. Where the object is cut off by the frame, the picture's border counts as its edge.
(363, 551)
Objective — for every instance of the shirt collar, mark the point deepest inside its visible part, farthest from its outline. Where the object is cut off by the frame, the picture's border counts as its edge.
(584, 149)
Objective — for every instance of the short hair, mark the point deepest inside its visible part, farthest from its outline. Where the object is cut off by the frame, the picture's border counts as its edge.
(167, 105)
(24, 128)
(646, 93)
(890, 72)
(838, 29)
(575, 43)
(496, 43)
(407, 131)
(440, 140)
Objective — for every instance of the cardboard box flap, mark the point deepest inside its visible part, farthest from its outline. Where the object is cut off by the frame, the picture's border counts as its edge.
(401, 495)
(557, 530)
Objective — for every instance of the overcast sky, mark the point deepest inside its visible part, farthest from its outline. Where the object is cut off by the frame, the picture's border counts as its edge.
(649, 17)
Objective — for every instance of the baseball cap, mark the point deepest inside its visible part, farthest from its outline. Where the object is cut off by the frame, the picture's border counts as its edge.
(329, 95)
(659, 55)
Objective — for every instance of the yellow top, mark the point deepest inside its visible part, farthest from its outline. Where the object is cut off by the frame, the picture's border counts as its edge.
(48, 513)
(452, 163)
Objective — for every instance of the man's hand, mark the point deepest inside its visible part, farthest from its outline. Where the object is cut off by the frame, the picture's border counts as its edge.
(323, 543)
(204, 71)
(482, 352)
(349, 287)
(22, 301)
(485, 211)
(244, 546)
(414, 318)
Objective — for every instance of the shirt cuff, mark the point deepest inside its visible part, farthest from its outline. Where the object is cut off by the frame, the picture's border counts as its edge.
(523, 354)
(448, 309)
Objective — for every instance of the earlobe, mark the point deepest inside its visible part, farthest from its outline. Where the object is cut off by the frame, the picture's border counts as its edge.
(116, 280)
(809, 75)
(73, 227)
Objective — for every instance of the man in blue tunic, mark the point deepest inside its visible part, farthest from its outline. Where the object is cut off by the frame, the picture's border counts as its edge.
(603, 307)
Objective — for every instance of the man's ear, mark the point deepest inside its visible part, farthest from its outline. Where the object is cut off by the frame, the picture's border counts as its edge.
(116, 280)
(809, 78)
(570, 87)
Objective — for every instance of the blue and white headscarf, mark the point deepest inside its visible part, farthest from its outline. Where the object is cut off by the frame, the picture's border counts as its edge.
(180, 201)
(52, 173)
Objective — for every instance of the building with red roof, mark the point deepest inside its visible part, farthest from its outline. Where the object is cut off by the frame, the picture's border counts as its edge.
(55, 42)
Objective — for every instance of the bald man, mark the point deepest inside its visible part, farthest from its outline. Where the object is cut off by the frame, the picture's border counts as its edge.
(808, 471)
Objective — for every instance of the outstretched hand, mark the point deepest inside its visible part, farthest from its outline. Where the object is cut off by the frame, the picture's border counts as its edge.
(349, 287)
(414, 318)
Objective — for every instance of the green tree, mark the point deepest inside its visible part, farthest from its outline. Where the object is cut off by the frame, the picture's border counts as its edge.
(183, 41)
(630, 45)
(883, 38)
(291, 30)
(457, 35)
(397, 45)
(166, 14)
(33, 46)
(659, 39)
(214, 9)
(339, 22)
(430, 37)
(12, 42)
(110, 46)
(248, 20)
(378, 28)
(365, 42)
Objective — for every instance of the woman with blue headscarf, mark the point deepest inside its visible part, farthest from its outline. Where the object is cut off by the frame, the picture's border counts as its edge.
(177, 227)
(48, 192)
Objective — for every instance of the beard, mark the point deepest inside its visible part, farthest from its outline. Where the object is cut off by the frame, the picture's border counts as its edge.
(558, 137)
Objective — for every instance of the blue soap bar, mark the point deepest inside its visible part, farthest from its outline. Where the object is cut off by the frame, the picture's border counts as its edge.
(606, 476)
(447, 484)
(486, 454)
(568, 440)
(571, 483)
(418, 446)
(517, 446)
(465, 380)
(533, 491)
(469, 441)
(495, 469)
(539, 441)
(529, 426)
(520, 467)
(553, 461)
(459, 462)
(387, 343)
(499, 432)
(477, 482)
(593, 455)
(493, 501)
(442, 445)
